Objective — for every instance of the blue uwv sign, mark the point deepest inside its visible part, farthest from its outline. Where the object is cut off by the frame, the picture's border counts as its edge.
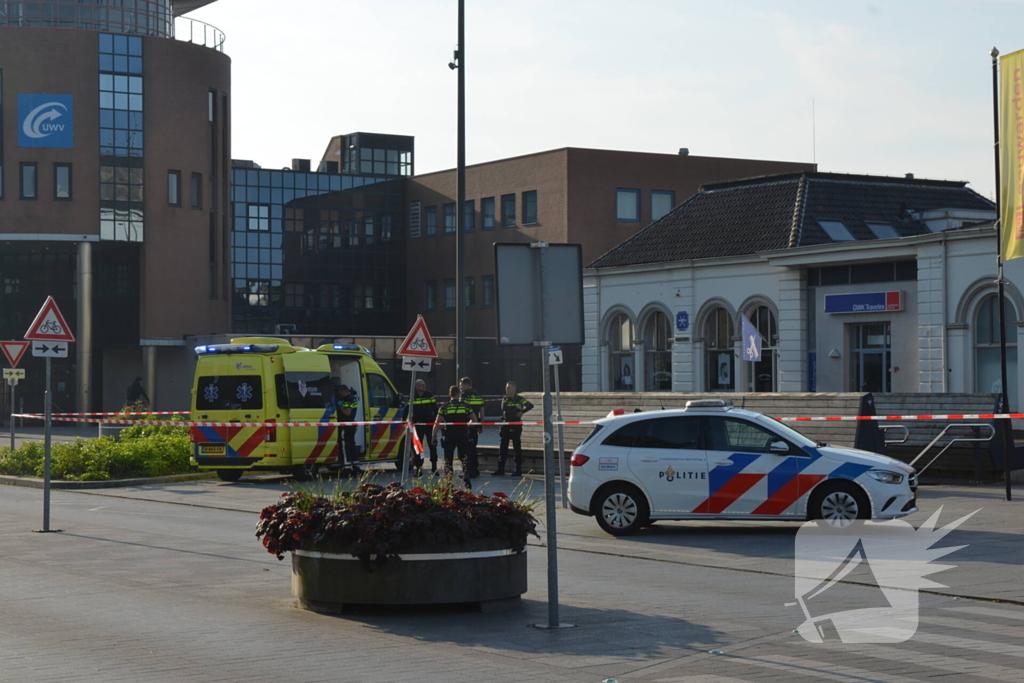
(46, 121)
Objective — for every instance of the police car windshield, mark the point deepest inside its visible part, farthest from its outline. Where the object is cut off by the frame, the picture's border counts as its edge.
(786, 432)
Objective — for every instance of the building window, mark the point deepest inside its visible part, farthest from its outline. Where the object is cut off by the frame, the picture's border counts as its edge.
(197, 190)
(430, 295)
(29, 178)
(259, 217)
(508, 210)
(488, 294)
(449, 295)
(469, 216)
(987, 368)
(449, 219)
(294, 295)
(530, 207)
(620, 353)
(470, 293)
(430, 221)
(627, 206)
(487, 213)
(657, 353)
(718, 356)
(662, 202)
(763, 372)
(870, 357)
(415, 209)
(62, 182)
(174, 188)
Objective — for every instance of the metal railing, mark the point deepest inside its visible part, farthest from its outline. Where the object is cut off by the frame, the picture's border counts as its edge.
(959, 439)
(885, 428)
(199, 33)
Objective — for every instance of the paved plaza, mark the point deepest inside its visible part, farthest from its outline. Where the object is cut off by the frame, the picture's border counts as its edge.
(168, 583)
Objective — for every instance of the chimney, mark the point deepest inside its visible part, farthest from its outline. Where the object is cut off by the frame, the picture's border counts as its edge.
(909, 176)
(684, 151)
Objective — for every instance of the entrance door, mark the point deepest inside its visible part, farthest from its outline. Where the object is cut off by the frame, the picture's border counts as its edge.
(871, 358)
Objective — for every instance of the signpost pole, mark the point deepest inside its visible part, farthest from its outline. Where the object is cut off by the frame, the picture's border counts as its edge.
(46, 451)
(549, 496)
(407, 450)
(14, 389)
(557, 369)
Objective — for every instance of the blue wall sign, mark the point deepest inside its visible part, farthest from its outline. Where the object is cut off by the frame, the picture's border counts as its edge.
(864, 302)
(682, 321)
(46, 121)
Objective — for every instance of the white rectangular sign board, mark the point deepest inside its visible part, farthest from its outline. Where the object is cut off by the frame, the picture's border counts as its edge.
(14, 373)
(50, 349)
(554, 355)
(417, 364)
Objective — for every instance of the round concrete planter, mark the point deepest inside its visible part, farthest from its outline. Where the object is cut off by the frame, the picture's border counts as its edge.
(487, 572)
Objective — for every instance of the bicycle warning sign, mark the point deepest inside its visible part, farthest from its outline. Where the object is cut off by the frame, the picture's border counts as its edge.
(418, 342)
(49, 325)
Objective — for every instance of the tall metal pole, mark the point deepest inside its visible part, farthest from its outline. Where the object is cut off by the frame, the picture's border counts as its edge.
(85, 350)
(407, 450)
(1004, 398)
(460, 204)
(557, 369)
(14, 387)
(46, 451)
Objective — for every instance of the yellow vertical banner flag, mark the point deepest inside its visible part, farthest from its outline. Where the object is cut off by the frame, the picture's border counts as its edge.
(1011, 154)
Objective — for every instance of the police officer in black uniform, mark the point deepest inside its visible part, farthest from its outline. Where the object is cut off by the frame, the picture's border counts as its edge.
(472, 398)
(347, 407)
(512, 408)
(455, 420)
(424, 412)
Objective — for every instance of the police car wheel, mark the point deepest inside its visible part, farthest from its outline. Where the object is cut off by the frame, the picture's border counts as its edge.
(621, 509)
(229, 475)
(839, 503)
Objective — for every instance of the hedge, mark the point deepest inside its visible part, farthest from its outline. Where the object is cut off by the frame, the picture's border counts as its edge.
(142, 451)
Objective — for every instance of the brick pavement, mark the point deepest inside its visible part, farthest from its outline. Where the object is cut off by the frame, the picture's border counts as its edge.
(139, 590)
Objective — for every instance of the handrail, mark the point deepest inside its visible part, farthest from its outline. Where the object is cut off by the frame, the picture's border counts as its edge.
(959, 439)
(906, 433)
(199, 33)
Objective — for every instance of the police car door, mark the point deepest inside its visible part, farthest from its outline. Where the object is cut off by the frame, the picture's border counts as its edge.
(669, 461)
(310, 394)
(745, 477)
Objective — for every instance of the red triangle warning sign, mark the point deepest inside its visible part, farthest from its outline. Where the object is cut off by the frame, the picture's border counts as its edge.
(14, 350)
(49, 325)
(418, 342)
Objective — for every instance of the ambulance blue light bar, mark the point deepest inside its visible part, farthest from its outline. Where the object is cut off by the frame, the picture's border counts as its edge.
(237, 348)
(350, 347)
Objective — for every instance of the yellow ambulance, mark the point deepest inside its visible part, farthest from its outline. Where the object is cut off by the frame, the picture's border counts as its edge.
(267, 380)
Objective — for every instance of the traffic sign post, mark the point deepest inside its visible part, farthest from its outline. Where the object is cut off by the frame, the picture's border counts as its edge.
(14, 350)
(12, 375)
(555, 361)
(417, 352)
(52, 331)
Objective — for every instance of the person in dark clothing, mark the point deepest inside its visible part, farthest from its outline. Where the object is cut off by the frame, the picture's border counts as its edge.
(135, 394)
(512, 408)
(455, 421)
(424, 412)
(347, 403)
(472, 398)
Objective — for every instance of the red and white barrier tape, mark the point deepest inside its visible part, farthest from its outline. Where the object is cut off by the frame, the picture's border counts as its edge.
(184, 423)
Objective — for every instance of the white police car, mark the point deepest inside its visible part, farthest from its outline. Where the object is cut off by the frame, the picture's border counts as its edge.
(714, 461)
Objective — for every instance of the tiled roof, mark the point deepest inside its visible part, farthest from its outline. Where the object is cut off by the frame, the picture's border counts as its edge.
(783, 211)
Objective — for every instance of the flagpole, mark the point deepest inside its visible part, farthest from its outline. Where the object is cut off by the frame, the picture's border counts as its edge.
(1004, 397)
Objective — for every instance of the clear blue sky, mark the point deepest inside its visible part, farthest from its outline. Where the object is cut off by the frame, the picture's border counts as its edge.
(898, 85)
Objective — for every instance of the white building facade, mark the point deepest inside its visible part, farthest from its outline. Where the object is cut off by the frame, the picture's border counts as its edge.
(846, 303)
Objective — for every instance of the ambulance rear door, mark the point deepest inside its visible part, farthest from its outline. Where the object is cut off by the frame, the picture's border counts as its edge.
(310, 399)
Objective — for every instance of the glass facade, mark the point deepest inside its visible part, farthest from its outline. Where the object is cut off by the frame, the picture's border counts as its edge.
(322, 253)
(122, 210)
(146, 17)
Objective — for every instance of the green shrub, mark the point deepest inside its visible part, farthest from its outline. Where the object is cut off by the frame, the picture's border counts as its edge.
(140, 455)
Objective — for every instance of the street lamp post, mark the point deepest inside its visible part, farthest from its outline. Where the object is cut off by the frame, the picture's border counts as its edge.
(459, 63)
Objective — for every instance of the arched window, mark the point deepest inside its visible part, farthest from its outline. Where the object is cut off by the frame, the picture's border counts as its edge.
(657, 353)
(718, 352)
(987, 368)
(620, 353)
(763, 374)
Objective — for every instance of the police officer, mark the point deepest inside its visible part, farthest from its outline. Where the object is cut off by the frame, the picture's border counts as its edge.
(348, 406)
(472, 398)
(455, 420)
(424, 412)
(512, 408)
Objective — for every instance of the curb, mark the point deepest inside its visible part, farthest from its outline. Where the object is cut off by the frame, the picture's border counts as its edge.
(34, 483)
